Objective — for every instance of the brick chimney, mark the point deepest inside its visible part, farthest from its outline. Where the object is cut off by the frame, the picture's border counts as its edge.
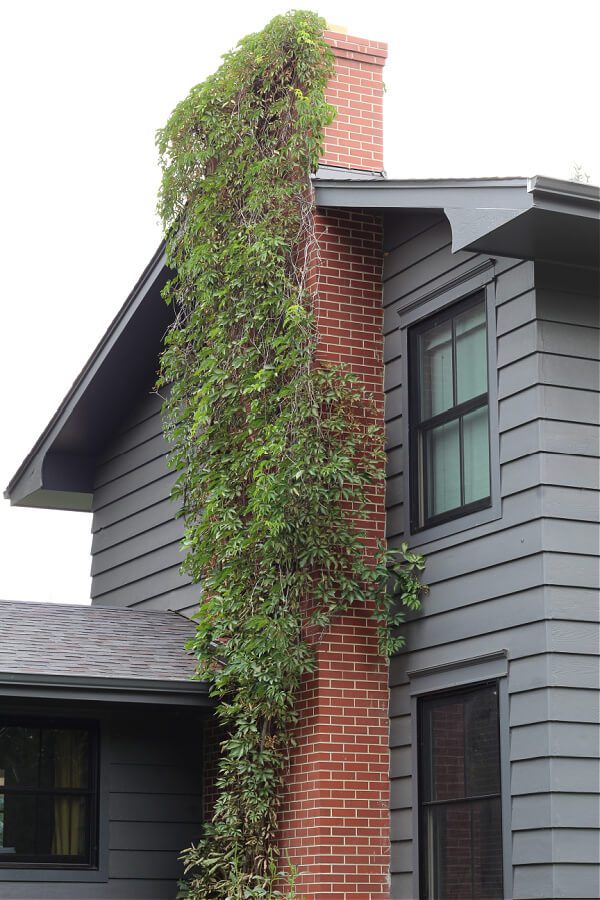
(335, 825)
(355, 139)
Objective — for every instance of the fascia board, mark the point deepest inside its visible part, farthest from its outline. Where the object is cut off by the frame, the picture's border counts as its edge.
(114, 690)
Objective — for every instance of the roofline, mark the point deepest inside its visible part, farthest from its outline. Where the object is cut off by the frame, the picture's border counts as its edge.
(120, 690)
(422, 194)
(158, 257)
(540, 188)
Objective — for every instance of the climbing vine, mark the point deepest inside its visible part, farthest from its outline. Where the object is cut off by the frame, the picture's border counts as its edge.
(271, 444)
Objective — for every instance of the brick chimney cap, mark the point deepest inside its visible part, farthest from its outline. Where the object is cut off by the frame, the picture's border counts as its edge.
(347, 46)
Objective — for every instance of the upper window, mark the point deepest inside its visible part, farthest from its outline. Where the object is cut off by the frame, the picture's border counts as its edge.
(47, 794)
(449, 414)
(460, 796)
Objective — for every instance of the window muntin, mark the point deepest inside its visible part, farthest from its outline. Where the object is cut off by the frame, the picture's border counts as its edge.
(449, 414)
(460, 795)
(47, 794)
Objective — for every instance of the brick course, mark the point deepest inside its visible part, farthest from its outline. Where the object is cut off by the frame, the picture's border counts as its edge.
(334, 817)
(355, 139)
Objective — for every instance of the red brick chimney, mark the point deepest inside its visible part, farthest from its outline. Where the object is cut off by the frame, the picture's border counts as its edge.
(355, 139)
(335, 807)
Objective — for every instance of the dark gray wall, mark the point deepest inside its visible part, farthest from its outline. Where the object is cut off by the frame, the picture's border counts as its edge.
(150, 784)
(525, 581)
(136, 555)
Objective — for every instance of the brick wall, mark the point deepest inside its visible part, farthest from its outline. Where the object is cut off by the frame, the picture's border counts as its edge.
(334, 816)
(355, 139)
(335, 820)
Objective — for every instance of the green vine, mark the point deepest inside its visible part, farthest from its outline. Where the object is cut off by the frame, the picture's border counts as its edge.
(272, 446)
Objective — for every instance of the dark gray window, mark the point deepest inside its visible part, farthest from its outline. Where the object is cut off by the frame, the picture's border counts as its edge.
(460, 795)
(47, 794)
(449, 414)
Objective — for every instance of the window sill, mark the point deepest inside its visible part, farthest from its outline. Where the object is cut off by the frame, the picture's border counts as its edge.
(23, 873)
(449, 533)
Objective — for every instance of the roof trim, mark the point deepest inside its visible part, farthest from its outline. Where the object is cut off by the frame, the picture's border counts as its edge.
(114, 690)
(539, 218)
(27, 482)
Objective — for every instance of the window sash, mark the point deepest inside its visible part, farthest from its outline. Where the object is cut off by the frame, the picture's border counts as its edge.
(87, 794)
(438, 817)
(422, 483)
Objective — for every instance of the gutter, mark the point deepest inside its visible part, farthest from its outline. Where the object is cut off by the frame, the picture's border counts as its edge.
(119, 690)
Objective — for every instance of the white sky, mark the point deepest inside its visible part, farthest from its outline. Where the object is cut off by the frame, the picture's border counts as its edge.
(473, 89)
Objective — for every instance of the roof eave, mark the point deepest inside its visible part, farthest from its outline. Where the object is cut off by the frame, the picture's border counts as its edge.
(40, 483)
(112, 690)
(539, 218)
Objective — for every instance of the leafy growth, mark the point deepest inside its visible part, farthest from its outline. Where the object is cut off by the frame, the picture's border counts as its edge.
(273, 446)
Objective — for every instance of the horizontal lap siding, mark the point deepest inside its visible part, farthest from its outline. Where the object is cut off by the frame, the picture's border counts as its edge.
(136, 543)
(558, 768)
(519, 583)
(155, 802)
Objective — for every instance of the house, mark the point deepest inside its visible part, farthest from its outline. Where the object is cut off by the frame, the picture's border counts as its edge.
(486, 294)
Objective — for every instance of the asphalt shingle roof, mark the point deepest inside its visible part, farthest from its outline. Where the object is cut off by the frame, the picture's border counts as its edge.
(94, 641)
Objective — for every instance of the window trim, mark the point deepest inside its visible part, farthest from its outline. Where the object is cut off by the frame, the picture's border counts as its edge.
(428, 306)
(418, 427)
(453, 677)
(46, 872)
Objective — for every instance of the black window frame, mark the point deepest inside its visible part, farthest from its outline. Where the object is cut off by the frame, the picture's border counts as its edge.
(424, 758)
(91, 793)
(418, 487)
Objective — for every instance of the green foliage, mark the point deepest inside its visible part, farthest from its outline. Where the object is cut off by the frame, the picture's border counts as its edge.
(272, 448)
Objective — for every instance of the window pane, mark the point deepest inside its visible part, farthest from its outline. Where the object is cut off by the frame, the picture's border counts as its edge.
(446, 727)
(38, 827)
(463, 856)
(476, 453)
(64, 761)
(482, 749)
(435, 355)
(471, 353)
(19, 755)
(442, 452)
(18, 833)
(462, 745)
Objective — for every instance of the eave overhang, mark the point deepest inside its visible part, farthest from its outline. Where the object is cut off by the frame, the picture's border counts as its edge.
(107, 690)
(542, 219)
(59, 470)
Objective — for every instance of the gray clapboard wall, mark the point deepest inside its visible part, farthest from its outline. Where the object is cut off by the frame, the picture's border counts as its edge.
(524, 582)
(136, 552)
(150, 786)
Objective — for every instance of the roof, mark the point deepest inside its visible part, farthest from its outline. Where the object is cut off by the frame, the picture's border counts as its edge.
(525, 218)
(539, 218)
(100, 650)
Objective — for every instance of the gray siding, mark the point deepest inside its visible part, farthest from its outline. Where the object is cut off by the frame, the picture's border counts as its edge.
(525, 581)
(136, 553)
(150, 789)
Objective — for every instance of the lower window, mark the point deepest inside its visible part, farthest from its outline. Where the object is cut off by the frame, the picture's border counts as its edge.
(460, 797)
(47, 794)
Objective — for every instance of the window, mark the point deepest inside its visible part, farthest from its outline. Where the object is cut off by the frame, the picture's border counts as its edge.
(47, 794)
(460, 827)
(449, 414)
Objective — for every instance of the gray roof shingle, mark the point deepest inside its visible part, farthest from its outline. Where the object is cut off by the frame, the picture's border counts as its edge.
(93, 641)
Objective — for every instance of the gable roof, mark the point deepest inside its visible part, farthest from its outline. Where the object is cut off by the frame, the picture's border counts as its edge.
(111, 653)
(536, 218)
